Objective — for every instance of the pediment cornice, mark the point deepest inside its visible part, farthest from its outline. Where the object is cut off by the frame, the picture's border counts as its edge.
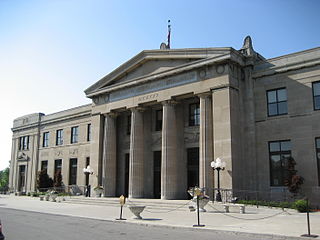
(202, 57)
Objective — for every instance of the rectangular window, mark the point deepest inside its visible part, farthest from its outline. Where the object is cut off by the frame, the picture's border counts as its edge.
(158, 120)
(89, 132)
(279, 151)
(20, 143)
(74, 134)
(194, 114)
(57, 166)
(73, 171)
(316, 95)
(24, 143)
(318, 158)
(129, 124)
(59, 137)
(45, 142)
(277, 102)
(44, 165)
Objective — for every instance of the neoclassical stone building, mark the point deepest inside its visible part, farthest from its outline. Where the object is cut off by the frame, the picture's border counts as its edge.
(157, 121)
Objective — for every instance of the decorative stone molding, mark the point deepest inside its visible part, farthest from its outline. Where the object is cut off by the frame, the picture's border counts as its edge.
(112, 114)
(73, 152)
(170, 103)
(101, 99)
(22, 157)
(58, 153)
(220, 69)
(205, 95)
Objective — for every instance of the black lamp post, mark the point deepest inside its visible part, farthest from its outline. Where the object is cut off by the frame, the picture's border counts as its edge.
(88, 171)
(218, 165)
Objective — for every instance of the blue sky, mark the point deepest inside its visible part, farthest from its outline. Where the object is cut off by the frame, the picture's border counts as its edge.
(50, 51)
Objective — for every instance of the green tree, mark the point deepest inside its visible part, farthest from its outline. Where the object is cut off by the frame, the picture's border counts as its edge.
(4, 180)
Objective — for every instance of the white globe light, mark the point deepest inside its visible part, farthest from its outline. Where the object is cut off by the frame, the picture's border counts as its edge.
(218, 163)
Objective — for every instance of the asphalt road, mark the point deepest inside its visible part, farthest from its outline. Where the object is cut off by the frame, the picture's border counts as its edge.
(24, 225)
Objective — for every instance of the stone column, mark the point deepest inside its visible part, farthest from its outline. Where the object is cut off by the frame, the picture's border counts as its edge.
(226, 133)
(169, 171)
(136, 162)
(96, 147)
(109, 155)
(205, 143)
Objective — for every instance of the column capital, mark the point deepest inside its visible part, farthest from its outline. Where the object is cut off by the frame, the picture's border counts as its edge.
(112, 114)
(139, 109)
(204, 95)
(169, 103)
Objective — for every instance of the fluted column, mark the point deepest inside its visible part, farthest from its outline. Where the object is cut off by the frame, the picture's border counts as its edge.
(205, 143)
(109, 155)
(136, 162)
(169, 169)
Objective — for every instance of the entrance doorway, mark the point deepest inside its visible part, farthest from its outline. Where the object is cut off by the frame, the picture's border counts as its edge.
(22, 177)
(126, 175)
(157, 174)
(193, 167)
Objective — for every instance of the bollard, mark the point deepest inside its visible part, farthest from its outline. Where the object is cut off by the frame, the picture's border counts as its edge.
(197, 192)
(308, 223)
(122, 200)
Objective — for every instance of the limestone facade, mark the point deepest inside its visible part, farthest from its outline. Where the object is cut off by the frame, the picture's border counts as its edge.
(159, 119)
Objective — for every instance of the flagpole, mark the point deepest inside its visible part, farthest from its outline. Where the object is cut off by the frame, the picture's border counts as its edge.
(169, 33)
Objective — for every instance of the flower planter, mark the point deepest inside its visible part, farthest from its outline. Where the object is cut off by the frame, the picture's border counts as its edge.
(46, 197)
(54, 197)
(137, 210)
(203, 201)
(98, 192)
(41, 197)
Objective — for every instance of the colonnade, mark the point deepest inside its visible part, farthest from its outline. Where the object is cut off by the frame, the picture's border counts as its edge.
(169, 161)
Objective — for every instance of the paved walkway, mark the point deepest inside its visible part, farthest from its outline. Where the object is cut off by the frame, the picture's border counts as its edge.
(262, 220)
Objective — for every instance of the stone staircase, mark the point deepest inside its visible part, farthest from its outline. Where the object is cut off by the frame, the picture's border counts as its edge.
(156, 204)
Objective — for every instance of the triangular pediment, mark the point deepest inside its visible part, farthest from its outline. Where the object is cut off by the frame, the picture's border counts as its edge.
(153, 63)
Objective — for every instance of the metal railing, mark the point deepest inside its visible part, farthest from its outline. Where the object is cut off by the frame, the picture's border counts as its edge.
(233, 195)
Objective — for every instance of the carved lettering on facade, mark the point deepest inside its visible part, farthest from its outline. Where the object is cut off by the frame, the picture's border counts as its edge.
(153, 86)
(148, 97)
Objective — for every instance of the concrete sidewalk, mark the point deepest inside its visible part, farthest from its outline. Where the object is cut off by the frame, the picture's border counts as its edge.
(262, 220)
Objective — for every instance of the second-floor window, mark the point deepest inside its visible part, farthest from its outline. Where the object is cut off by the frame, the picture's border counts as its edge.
(24, 143)
(316, 95)
(45, 142)
(194, 114)
(277, 102)
(59, 137)
(74, 134)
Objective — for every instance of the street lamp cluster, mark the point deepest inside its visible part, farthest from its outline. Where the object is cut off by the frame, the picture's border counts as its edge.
(218, 165)
(88, 171)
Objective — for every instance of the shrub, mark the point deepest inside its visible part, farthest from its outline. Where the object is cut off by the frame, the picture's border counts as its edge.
(294, 181)
(43, 180)
(301, 205)
(268, 204)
